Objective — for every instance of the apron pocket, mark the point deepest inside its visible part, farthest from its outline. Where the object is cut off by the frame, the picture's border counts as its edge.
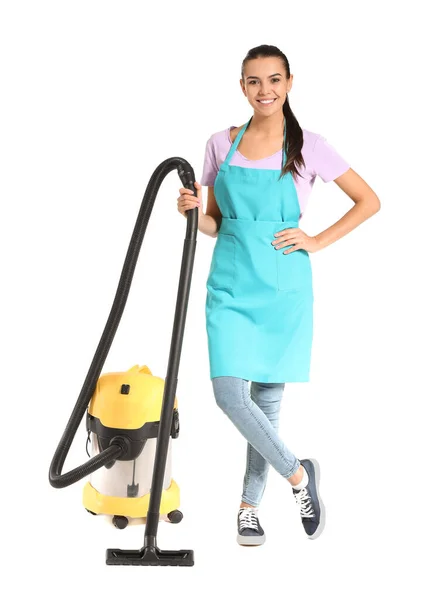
(222, 268)
(293, 270)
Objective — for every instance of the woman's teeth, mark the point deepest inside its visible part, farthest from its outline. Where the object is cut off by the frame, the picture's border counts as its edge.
(267, 101)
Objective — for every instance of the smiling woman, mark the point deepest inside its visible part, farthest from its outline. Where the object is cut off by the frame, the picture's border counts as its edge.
(259, 303)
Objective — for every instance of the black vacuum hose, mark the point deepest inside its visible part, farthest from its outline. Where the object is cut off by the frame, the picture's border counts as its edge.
(116, 449)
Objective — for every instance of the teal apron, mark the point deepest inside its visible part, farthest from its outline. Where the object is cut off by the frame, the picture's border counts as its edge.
(259, 303)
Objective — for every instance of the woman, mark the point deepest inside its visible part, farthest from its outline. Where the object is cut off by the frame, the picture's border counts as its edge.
(259, 307)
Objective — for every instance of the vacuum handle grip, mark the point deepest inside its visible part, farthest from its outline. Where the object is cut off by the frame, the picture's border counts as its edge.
(187, 178)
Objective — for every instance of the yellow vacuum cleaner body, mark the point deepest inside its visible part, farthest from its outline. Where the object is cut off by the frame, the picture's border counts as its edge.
(127, 406)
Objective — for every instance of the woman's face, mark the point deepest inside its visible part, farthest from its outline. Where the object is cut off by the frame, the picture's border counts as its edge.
(265, 78)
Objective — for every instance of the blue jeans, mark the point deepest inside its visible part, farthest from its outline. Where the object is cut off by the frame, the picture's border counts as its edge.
(255, 413)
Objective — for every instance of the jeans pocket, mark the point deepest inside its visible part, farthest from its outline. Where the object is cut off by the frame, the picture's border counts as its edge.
(294, 270)
(222, 268)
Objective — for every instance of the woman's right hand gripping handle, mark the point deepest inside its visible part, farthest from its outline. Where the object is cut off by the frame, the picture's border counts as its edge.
(187, 201)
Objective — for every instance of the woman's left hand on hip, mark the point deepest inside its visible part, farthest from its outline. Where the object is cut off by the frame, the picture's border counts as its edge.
(297, 238)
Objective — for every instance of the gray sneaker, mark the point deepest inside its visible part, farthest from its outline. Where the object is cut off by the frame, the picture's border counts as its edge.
(311, 507)
(250, 532)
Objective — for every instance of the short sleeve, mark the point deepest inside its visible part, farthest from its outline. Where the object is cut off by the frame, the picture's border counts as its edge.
(327, 163)
(210, 168)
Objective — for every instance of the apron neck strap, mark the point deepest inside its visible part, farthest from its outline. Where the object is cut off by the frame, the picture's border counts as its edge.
(240, 135)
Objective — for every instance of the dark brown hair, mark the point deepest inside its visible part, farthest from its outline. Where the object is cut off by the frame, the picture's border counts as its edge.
(294, 137)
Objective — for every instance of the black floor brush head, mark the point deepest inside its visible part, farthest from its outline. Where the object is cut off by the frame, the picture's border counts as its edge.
(150, 556)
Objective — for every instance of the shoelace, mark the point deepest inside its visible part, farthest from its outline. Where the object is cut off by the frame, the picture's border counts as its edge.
(247, 518)
(304, 501)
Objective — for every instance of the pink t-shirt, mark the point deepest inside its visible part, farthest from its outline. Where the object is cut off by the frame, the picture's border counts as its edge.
(320, 159)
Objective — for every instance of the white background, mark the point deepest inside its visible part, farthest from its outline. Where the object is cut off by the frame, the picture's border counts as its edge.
(94, 96)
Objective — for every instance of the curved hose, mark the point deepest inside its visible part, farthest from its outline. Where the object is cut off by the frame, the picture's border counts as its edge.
(114, 451)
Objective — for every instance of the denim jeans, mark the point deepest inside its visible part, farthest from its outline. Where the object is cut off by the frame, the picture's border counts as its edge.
(255, 413)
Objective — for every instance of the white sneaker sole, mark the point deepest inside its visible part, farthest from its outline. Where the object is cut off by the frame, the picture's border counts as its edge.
(250, 540)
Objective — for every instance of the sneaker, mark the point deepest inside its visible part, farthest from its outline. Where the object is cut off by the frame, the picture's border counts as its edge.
(311, 506)
(250, 532)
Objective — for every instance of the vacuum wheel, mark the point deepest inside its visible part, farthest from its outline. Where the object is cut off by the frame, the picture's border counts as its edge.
(120, 522)
(175, 516)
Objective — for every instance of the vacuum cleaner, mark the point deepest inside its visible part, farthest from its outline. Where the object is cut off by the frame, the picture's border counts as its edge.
(132, 416)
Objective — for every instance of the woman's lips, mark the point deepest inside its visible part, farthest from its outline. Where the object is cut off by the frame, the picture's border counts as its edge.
(267, 103)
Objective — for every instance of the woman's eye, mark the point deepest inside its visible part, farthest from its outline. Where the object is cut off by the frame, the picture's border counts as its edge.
(274, 79)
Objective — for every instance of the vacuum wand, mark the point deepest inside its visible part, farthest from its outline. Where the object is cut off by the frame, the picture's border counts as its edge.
(188, 255)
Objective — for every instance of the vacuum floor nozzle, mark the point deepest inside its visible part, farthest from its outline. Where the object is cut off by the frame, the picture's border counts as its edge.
(150, 556)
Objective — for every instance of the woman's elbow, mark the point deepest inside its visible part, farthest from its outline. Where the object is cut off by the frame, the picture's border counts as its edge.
(372, 205)
(376, 204)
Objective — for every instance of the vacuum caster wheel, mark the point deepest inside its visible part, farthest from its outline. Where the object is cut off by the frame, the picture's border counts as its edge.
(90, 511)
(120, 522)
(175, 516)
